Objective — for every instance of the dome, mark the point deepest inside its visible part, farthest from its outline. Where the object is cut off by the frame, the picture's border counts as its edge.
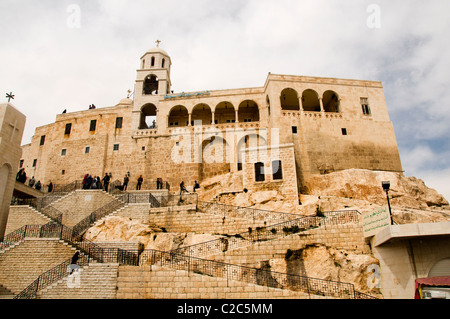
(157, 50)
(125, 101)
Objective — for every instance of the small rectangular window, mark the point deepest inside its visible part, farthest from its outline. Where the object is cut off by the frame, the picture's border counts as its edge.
(294, 129)
(34, 162)
(93, 126)
(63, 152)
(68, 128)
(116, 147)
(277, 170)
(259, 172)
(42, 140)
(119, 121)
(344, 131)
(87, 149)
(365, 106)
(63, 172)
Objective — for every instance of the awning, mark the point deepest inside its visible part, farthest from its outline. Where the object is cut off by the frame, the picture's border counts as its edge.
(430, 282)
(434, 281)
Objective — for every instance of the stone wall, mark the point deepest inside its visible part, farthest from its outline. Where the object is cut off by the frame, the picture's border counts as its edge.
(148, 283)
(287, 185)
(20, 216)
(80, 203)
(186, 219)
(347, 237)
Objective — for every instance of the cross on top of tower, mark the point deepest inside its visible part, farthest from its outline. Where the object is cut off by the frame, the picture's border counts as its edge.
(9, 96)
(157, 43)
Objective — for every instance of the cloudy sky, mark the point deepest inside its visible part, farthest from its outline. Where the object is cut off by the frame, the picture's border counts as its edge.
(67, 54)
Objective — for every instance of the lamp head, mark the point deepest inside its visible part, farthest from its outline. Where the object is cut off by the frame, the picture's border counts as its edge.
(386, 185)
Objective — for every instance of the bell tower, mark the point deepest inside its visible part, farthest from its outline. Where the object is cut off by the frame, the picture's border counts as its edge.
(152, 83)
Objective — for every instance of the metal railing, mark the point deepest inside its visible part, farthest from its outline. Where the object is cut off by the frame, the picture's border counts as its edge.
(244, 212)
(311, 286)
(266, 233)
(158, 200)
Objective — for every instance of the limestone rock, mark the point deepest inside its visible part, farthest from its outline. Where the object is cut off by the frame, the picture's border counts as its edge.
(366, 185)
(321, 262)
(116, 228)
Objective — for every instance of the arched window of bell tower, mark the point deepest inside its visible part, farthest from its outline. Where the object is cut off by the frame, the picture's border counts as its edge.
(148, 117)
(162, 63)
(153, 61)
(150, 85)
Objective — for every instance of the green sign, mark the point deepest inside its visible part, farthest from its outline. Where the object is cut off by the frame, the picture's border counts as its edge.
(375, 221)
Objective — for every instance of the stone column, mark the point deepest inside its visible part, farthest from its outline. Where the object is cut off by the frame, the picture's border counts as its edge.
(12, 124)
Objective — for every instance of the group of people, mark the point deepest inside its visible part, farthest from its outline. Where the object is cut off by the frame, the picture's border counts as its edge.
(21, 177)
(183, 188)
(90, 182)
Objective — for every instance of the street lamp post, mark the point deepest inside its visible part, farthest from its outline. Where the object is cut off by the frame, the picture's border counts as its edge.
(386, 186)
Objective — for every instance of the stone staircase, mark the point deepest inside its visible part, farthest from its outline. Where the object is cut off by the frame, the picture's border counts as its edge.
(21, 264)
(96, 281)
(24, 215)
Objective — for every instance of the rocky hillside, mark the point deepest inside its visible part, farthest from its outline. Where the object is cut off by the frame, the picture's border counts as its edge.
(412, 202)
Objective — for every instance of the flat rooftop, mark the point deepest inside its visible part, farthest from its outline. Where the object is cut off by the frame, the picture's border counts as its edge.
(409, 231)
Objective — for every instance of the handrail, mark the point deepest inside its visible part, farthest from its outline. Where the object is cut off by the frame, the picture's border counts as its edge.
(251, 275)
(265, 233)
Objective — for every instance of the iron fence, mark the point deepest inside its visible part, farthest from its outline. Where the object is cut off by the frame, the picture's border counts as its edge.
(245, 212)
(308, 285)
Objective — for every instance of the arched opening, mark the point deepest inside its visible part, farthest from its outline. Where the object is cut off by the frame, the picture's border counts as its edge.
(150, 85)
(5, 173)
(330, 101)
(215, 152)
(289, 100)
(201, 112)
(310, 101)
(153, 61)
(248, 141)
(179, 116)
(268, 104)
(163, 62)
(248, 111)
(224, 113)
(440, 269)
(148, 117)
